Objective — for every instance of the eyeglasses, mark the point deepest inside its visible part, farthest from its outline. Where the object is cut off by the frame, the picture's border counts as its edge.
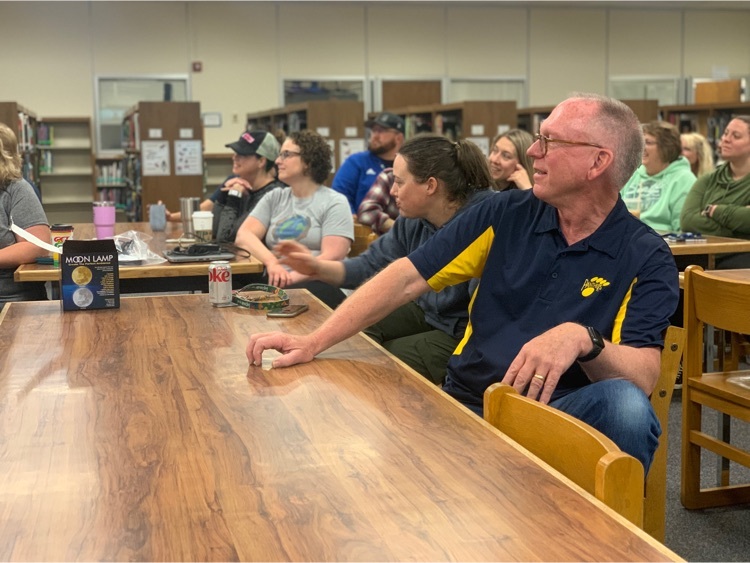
(283, 155)
(544, 143)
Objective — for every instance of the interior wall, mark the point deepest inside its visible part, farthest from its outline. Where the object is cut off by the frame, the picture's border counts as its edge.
(566, 58)
(238, 47)
(634, 40)
(717, 39)
(248, 48)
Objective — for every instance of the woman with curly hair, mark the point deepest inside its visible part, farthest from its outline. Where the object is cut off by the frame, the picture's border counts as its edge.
(309, 213)
(17, 200)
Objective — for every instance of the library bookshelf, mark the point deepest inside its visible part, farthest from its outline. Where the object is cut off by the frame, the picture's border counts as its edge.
(66, 165)
(479, 121)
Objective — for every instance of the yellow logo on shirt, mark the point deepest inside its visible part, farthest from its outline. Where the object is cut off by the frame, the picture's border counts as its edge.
(594, 284)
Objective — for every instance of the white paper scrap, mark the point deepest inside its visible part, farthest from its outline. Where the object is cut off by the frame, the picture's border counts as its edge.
(32, 239)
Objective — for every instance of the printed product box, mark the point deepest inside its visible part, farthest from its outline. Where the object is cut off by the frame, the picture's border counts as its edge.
(90, 275)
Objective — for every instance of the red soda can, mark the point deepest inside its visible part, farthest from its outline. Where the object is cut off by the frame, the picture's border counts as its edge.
(220, 283)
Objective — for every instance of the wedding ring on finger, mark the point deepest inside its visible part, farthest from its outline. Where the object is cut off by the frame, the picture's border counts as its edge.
(540, 377)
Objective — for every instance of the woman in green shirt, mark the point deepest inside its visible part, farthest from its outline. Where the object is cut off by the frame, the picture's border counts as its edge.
(719, 203)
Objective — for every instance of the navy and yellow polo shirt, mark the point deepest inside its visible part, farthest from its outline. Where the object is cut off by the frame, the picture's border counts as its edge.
(622, 280)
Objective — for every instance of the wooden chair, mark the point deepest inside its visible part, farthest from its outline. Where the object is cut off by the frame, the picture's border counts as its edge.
(654, 504)
(575, 449)
(361, 239)
(723, 303)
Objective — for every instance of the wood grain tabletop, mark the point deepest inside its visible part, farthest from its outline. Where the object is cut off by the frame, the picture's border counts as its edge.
(143, 434)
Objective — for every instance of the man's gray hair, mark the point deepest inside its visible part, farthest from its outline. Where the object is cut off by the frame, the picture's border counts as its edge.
(621, 125)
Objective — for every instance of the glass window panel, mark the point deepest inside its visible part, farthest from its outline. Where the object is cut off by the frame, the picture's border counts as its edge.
(665, 90)
(117, 94)
(297, 91)
(511, 90)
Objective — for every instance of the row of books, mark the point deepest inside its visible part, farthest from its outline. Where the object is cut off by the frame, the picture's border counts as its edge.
(26, 132)
(45, 134)
(45, 161)
(131, 137)
(110, 174)
(121, 197)
(28, 168)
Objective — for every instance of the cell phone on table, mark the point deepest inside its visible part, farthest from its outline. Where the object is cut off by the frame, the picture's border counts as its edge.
(288, 311)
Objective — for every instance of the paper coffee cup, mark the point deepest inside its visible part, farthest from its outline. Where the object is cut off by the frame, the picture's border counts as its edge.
(203, 224)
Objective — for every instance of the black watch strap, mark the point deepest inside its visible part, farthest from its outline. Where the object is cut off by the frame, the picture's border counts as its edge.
(597, 340)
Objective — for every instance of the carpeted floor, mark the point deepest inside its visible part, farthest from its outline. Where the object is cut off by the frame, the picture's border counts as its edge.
(718, 534)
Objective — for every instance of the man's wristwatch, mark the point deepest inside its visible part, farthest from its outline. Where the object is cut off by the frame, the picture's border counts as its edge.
(597, 341)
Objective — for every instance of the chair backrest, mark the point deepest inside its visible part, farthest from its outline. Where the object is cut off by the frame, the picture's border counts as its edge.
(575, 449)
(729, 311)
(654, 506)
(716, 300)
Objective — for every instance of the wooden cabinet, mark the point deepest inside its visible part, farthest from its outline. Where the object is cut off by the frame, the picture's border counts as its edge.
(336, 120)
(646, 110)
(66, 168)
(23, 122)
(163, 142)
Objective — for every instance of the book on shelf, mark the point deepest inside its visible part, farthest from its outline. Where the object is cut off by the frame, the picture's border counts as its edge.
(118, 196)
(45, 134)
(28, 168)
(110, 174)
(45, 161)
(130, 133)
(26, 132)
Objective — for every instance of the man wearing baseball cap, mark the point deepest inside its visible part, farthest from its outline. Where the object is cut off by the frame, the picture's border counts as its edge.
(253, 176)
(358, 172)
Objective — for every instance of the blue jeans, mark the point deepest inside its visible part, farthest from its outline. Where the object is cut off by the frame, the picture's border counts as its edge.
(619, 410)
(616, 408)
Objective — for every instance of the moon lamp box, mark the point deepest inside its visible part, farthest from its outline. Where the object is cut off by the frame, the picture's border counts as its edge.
(90, 275)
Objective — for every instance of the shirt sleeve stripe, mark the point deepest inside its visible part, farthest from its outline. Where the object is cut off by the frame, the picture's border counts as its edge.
(468, 264)
(620, 318)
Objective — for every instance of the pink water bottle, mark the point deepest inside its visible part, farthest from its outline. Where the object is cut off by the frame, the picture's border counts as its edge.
(104, 219)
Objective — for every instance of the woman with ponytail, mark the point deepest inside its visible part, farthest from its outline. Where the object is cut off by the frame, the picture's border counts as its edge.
(435, 179)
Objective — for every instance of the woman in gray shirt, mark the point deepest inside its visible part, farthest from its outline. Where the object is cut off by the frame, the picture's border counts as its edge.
(18, 200)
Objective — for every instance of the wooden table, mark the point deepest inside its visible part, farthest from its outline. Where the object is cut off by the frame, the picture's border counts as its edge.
(142, 434)
(143, 274)
(710, 248)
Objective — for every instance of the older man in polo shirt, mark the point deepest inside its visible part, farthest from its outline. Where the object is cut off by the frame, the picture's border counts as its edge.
(358, 172)
(574, 292)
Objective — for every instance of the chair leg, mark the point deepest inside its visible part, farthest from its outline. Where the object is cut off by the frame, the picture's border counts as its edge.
(691, 454)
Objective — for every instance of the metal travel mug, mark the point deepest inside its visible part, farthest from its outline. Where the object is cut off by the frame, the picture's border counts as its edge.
(187, 206)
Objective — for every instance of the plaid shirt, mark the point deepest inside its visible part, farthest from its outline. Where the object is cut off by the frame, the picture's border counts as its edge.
(378, 206)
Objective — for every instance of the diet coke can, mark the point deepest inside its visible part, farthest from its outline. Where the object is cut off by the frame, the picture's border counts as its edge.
(220, 283)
